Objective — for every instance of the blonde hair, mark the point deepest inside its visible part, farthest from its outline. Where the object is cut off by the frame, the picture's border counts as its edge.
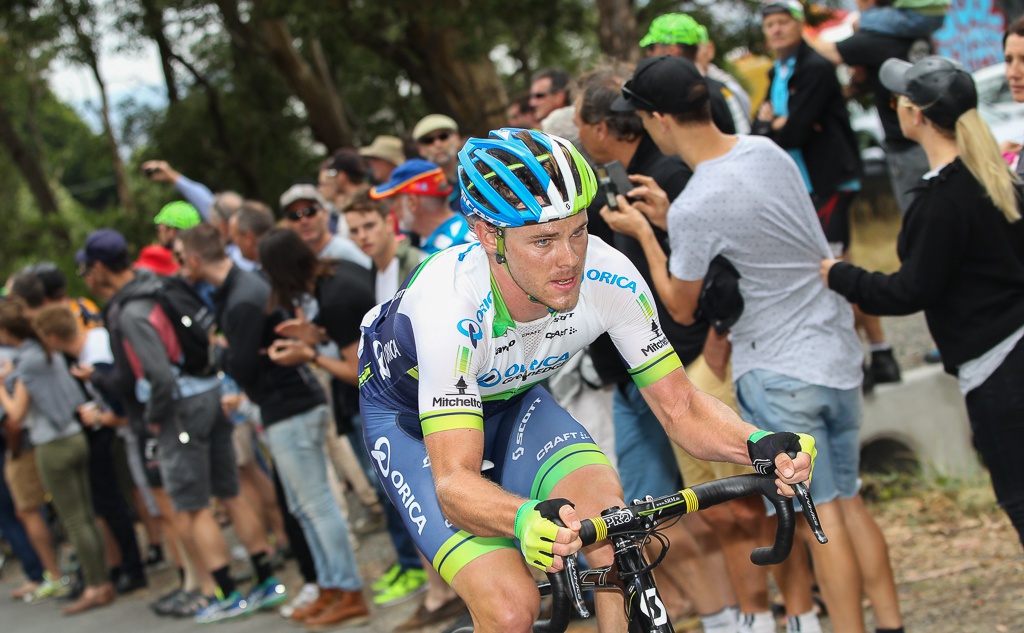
(980, 153)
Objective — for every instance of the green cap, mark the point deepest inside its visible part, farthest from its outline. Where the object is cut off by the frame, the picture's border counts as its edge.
(675, 28)
(178, 215)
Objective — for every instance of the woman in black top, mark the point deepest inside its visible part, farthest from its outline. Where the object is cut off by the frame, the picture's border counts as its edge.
(962, 253)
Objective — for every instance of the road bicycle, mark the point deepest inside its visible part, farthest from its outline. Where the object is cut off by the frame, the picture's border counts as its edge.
(632, 527)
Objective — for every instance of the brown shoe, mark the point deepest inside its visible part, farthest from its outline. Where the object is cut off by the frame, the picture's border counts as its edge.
(351, 609)
(103, 596)
(326, 598)
(422, 617)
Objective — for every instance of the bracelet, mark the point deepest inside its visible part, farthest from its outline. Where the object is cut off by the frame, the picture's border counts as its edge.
(316, 357)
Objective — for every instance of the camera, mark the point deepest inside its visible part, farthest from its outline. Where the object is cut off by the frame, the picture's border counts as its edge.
(612, 177)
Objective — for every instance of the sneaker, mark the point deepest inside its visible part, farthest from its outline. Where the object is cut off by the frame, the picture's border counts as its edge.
(267, 595)
(385, 581)
(933, 357)
(234, 606)
(50, 588)
(408, 583)
(164, 605)
(155, 557)
(884, 367)
(189, 604)
(307, 596)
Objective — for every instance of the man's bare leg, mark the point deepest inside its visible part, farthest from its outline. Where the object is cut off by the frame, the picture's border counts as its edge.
(501, 594)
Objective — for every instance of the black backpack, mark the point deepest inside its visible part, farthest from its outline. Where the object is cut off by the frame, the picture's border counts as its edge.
(193, 323)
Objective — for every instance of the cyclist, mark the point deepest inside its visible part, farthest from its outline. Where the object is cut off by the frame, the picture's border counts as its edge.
(475, 454)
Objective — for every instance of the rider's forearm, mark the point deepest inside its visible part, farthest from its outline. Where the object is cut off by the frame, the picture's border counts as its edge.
(701, 424)
(477, 505)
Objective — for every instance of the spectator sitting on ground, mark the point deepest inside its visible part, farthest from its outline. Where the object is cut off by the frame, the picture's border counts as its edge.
(382, 156)
(419, 190)
(306, 212)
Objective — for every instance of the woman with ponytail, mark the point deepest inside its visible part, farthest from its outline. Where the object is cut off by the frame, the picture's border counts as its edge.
(41, 398)
(962, 254)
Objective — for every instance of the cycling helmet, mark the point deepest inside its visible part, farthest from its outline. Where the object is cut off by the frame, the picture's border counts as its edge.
(517, 177)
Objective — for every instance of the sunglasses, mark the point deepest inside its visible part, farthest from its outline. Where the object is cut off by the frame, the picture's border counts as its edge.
(540, 95)
(430, 140)
(298, 214)
(637, 99)
(179, 257)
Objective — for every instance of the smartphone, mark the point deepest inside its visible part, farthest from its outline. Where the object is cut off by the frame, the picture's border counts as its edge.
(612, 176)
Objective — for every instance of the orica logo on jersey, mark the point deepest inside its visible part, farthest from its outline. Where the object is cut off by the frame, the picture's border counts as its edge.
(472, 329)
(611, 279)
(404, 495)
(520, 371)
(385, 353)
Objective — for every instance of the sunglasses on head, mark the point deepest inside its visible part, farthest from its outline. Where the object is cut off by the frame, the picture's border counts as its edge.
(894, 101)
(637, 99)
(306, 212)
(430, 140)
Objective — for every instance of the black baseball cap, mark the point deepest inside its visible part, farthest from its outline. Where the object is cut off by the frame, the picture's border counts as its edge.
(941, 87)
(666, 84)
(106, 246)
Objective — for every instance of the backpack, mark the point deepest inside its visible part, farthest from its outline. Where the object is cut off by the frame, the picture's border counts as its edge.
(193, 323)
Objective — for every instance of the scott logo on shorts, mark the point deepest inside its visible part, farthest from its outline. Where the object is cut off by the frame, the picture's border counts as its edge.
(404, 496)
(516, 454)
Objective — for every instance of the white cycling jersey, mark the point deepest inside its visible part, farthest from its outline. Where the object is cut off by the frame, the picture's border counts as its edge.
(445, 347)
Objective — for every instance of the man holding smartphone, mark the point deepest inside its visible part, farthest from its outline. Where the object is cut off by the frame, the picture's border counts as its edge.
(647, 464)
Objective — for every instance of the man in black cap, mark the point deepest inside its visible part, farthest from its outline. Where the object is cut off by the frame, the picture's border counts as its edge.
(796, 358)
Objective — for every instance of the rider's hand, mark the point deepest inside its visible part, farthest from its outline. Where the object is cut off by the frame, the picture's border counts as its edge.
(770, 452)
(542, 542)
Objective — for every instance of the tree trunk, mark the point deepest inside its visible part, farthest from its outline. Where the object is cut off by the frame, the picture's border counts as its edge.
(323, 106)
(86, 54)
(153, 22)
(616, 30)
(27, 164)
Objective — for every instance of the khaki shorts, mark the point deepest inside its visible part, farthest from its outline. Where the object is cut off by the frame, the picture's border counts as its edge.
(241, 437)
(697, 471)
(23, 479)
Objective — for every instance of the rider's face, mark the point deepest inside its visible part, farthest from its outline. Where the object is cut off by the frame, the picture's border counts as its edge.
(546, 260)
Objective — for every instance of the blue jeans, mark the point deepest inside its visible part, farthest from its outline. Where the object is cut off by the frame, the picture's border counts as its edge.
(12, 530)
(775, 402)
(905, 23)
(297, 444)
(647, 463)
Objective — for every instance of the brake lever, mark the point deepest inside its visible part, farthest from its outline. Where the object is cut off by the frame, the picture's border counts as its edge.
(570, 572)
(810, 512)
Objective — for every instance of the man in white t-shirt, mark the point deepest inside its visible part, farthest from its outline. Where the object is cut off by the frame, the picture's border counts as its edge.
(796, 357)
(372, 227)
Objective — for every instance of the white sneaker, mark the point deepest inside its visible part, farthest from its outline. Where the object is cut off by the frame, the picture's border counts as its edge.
(306, 596)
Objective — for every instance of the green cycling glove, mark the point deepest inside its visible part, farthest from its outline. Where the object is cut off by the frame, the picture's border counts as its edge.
(536, 531)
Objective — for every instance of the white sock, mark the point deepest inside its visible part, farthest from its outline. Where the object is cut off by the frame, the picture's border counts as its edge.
(722, 622)
(803, 623)
(879, 347)
(763, 622)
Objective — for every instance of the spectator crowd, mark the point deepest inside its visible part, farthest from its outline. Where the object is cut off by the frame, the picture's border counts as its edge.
(211, 376)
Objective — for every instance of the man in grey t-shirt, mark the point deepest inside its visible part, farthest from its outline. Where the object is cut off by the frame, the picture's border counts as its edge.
(796, 357)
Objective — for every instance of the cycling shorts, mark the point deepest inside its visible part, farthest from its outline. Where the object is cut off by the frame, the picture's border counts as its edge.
(529, 447)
